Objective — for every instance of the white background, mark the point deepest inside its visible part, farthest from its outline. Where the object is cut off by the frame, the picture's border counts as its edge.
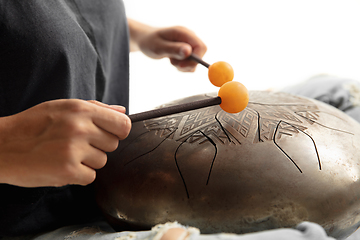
(269, 43)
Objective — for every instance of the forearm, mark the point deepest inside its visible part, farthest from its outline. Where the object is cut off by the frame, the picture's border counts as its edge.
(137, 30)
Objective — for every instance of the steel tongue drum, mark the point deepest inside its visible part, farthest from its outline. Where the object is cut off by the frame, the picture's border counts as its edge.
(284, 159)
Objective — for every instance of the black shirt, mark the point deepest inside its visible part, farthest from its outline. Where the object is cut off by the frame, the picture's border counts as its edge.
(55, 49)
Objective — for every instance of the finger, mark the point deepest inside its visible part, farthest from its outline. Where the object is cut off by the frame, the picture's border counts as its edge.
(86, 175)
(118, 108)
(82, 170)
(94, 158)
(78, 164)
(111, 121)
(102, 140)
(180, 34)
(184, 36)
(175, 50)
(200, 50)
(184, 65)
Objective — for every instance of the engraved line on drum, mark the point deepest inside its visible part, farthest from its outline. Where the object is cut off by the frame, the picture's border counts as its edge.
(211, 166)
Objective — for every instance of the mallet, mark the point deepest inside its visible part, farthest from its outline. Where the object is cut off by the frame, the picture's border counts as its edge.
(219, 72)
(233, 97)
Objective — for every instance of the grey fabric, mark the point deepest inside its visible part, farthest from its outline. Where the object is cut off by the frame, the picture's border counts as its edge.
(102, 231)
(341, 93)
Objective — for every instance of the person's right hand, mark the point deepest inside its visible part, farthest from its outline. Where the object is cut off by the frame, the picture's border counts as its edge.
(59, 142)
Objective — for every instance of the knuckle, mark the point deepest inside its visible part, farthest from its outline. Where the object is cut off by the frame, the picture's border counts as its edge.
(77, 106)
(75, 123)
(75, 127)
(67, 151)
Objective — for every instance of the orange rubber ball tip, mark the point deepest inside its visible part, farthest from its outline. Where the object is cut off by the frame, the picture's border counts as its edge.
(220, 73)
(234, 97)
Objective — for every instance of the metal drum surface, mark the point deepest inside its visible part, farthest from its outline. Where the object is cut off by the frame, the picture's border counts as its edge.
(283, 160)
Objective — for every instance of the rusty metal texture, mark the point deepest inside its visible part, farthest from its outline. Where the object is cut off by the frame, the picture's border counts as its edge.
(283, 160)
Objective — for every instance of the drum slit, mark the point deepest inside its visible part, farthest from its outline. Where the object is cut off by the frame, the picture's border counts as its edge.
(212, 163)
(151, 149)
(222, 127)
(313, 141)
(277, 127)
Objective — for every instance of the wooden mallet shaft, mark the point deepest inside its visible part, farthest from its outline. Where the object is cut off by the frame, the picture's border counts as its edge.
(196, 58)
(174, 109)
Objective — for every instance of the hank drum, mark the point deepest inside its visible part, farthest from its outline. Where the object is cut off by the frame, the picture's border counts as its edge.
(283, 160)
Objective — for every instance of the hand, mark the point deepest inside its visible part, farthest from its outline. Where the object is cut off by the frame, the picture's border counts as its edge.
(176, 43)
(59, 142)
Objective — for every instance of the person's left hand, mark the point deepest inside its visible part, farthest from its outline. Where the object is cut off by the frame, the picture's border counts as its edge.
(176, 43)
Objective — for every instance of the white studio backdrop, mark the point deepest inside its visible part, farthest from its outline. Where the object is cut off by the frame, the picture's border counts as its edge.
(270, 44)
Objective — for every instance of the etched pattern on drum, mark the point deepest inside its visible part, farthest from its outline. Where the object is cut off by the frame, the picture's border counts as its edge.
(269, 118)
(263, 116)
